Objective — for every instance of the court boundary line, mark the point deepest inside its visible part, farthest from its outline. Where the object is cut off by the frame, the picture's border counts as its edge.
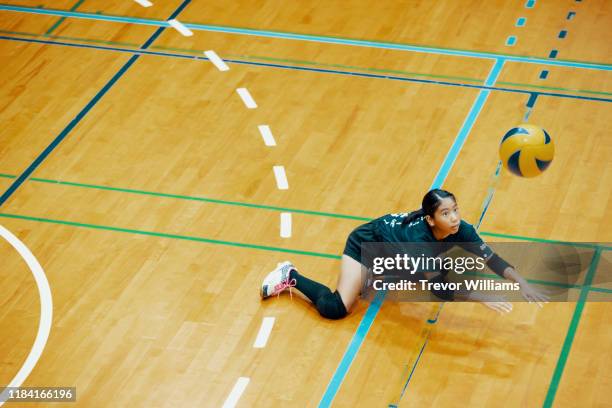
(140, 52)
(571, 332)
(61, 20)
(406, 74)
(285, 209)
(372, 310)
(581, 302)
(166, 235)
(84, 111)
(310, 37)
(169, 235)
(46, 311)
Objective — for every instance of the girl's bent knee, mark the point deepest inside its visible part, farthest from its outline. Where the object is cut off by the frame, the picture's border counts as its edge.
(331, 306)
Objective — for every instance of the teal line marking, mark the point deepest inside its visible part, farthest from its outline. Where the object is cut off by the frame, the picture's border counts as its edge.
(326, 71)
(490, 193)
(532, 100)
(445, 170)
(315, 38)
(466, 127)
(368, 319)
(353, 349)
(61, 20)
(511, 41)
(520, 22)
(166, 235)
(529, 4)
(569, 338)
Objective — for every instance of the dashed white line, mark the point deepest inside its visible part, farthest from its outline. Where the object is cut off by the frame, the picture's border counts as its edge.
(216, 60)
(144, 3)
(266, 133)
(264, 332)
(236, 393)
(246, 98)
(180, 27)
(281, 178)
(285, 220)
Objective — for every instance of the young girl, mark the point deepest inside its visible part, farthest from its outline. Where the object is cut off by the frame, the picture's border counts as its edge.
(438, 220)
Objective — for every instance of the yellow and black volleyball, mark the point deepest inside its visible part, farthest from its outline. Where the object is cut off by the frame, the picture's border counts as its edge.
(526, 150)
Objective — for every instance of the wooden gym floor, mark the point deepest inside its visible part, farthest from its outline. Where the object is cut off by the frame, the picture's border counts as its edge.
(134, 173)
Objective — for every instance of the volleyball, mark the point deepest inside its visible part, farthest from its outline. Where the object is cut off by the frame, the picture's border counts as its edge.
(526, 150)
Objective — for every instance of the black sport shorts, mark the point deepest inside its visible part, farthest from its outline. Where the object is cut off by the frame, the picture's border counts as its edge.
(363, 233)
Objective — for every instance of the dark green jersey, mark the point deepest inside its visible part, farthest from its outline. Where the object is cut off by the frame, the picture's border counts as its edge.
(390, 228)
(415, 239)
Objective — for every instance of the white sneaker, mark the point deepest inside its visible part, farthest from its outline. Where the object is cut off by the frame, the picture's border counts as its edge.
(278, 280)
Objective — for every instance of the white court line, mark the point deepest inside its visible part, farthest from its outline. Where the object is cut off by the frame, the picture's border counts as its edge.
(180, 27)
(281, 178)
(246, 98)
(285, 219)
(236, 393)
(46, 310)
(144, 3)
(216, 60)
(266, 133)
(264, 332)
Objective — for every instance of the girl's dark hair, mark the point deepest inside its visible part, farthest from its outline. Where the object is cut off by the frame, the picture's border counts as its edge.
(429, 205)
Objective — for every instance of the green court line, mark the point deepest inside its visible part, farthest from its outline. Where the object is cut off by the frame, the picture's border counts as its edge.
(415, 74)
(351, 67)
(250, 246)
(553, 88)
(174, 236)
(61, 20)
(542, 282)
(604, 290)
(534, 281)
(192, 198)
(547, 241)
(286, 209)
(407, 74)
(571, 333)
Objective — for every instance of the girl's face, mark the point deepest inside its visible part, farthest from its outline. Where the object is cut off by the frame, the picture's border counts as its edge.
(446, 218)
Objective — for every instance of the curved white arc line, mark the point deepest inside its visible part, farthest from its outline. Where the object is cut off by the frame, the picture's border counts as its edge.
(46, 310)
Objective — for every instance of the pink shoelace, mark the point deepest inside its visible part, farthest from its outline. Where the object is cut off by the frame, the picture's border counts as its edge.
(287, 283)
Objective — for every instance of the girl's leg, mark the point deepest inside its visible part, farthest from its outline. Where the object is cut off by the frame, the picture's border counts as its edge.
(351, 280)
(333, 305)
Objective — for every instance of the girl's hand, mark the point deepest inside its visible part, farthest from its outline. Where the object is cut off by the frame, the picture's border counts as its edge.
(493, 302)
(532, 295)
(500, 307)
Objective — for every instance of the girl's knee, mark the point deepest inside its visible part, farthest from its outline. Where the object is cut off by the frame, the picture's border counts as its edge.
(331, 306)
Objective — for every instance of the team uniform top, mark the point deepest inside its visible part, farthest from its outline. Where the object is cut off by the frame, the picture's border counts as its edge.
(391, 228)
